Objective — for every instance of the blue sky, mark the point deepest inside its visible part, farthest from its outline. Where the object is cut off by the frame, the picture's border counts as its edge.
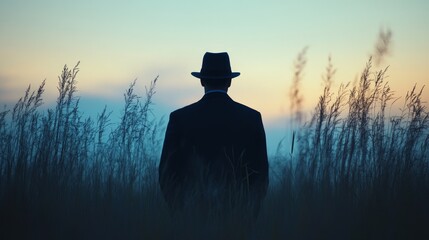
(118, 41)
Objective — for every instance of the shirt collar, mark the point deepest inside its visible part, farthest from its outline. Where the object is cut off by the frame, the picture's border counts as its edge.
(215, 91)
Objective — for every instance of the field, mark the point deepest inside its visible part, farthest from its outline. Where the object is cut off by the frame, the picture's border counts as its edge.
(352, 171)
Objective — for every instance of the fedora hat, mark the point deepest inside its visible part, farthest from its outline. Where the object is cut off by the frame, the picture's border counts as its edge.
(215, 66)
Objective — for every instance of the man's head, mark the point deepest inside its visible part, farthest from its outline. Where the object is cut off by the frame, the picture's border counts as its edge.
(216, 71)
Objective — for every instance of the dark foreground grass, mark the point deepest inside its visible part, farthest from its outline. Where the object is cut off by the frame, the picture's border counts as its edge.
(353, 173)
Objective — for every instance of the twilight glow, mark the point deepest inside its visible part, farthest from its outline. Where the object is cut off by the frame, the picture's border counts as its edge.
(117, 42)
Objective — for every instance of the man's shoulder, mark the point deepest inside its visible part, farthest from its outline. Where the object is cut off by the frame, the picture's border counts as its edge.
(184, 110)
(199, 105)
(245, 109)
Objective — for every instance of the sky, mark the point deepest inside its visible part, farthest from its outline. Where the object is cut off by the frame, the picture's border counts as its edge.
(119, 41)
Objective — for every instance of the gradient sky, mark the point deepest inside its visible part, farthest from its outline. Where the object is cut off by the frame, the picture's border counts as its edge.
(118, 41)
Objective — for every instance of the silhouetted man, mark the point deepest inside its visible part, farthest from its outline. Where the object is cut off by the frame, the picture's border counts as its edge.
(214, 155)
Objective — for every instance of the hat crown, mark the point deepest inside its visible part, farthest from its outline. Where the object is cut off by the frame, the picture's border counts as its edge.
(215, 66)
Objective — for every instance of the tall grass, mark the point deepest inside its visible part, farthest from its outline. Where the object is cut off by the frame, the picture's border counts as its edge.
(61, 177)
(355, 173)
(359, 173)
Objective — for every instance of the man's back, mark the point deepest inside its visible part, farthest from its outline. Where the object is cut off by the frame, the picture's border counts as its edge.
(213, 148)
(216, 125)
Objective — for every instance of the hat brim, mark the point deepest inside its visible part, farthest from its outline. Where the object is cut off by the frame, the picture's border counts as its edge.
(199, 75)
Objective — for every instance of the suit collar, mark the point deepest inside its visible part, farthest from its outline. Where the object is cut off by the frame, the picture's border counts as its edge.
(215, 95)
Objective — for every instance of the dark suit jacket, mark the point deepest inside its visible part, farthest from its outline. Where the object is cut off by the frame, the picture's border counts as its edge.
(214, 149)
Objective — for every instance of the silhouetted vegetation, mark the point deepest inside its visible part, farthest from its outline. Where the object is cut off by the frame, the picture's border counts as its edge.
(62, 177)
(356, 172)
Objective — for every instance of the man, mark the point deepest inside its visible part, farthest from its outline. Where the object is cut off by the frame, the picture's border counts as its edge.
(214, 155)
